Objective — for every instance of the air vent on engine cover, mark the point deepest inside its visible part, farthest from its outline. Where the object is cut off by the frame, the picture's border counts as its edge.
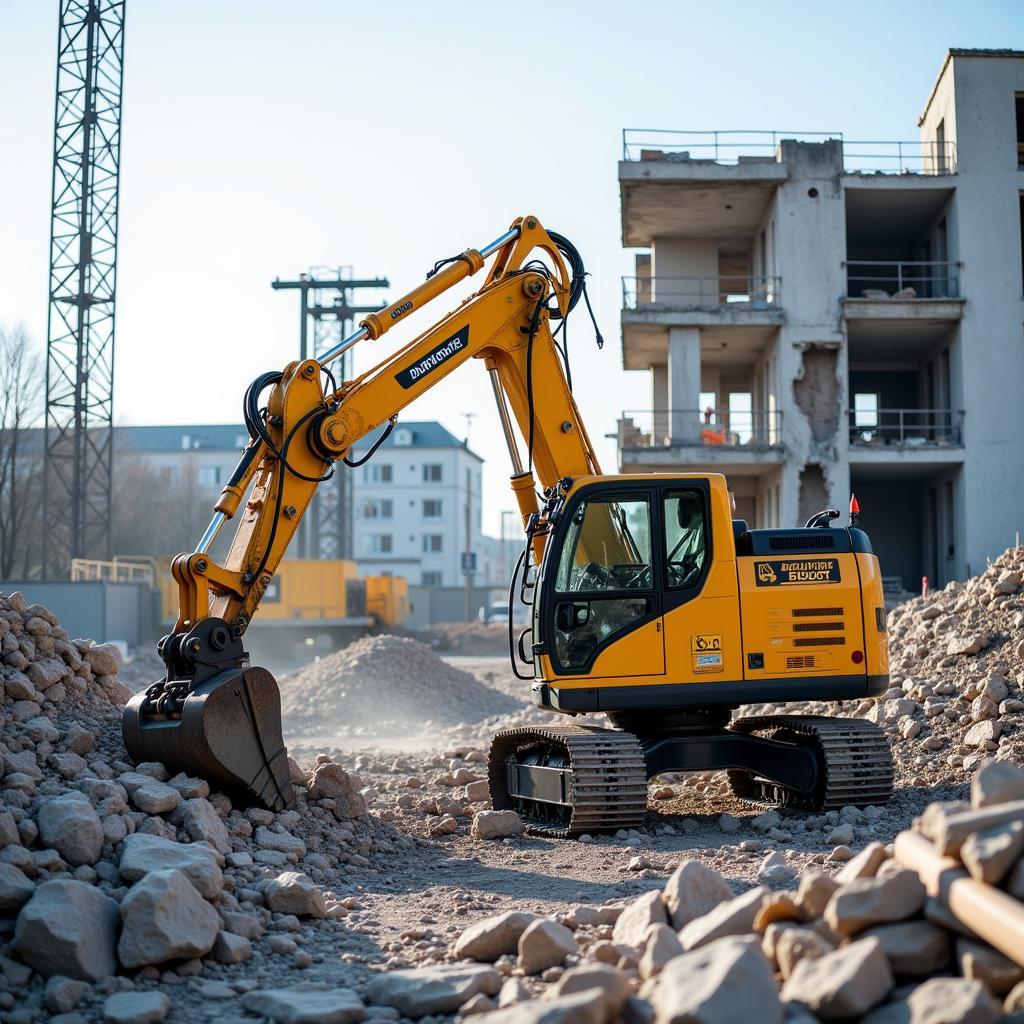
(812, 540)
(819, 641)
(825, 613)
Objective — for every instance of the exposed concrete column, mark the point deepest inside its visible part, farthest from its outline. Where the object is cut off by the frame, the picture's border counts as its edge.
(659, 403)
(684, 384)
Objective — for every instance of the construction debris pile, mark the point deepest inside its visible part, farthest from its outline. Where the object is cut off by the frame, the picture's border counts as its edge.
(385, 685)
(109, 869)
(910, 937)
(470, 637)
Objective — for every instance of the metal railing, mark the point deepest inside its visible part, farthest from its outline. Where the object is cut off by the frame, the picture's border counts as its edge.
(739, 146)
(902, 279)
(113, 572)
(906, 428)
(735, 291)
(668, 428)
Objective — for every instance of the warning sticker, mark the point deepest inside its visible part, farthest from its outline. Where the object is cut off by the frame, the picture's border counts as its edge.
(706, 642)
(707, 663)
(790, 573)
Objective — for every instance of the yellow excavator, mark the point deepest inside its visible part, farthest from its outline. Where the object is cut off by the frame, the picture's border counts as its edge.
(650, 603)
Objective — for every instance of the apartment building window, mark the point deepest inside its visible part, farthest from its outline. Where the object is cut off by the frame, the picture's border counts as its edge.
(377, 473)
(941, 164)
(432, 472)
(432, 508)
(431, 579)
(209, 476)
(1021, 198)
(433, 543)
(381, 543)
(382, 509)
(1019, 104)
(865, 409)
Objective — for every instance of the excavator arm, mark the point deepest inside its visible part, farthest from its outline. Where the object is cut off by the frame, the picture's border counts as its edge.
(211, 711)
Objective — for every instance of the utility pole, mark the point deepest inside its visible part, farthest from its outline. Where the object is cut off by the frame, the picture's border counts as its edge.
(326, 529)
(78, 460)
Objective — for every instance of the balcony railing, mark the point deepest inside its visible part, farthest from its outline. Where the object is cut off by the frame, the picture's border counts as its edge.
(708, 292)
(903, 279)
(734, 147)
(667, 428)
(906, 428)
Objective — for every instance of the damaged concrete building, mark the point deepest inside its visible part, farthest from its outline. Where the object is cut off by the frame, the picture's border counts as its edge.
(820, 316)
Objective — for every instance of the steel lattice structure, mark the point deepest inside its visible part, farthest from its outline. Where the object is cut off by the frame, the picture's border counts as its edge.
(83, 261)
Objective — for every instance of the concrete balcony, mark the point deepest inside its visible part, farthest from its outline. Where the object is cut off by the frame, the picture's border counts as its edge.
(742, 443)
(921, 439)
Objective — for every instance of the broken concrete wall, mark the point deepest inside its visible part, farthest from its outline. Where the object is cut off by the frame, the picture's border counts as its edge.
(813, 491)
(818, 394)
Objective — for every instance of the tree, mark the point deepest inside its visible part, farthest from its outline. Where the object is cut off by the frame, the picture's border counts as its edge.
(21, 452)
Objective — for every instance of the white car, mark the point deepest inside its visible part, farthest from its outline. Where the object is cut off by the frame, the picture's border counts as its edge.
(495, 613)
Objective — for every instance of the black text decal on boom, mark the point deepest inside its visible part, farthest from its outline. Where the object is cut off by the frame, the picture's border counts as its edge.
(786, 573)
(433, 359)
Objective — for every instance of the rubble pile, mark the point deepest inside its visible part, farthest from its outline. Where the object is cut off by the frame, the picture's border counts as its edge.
(386, 684)
(470, 637)
(877, 941)
(116, 878)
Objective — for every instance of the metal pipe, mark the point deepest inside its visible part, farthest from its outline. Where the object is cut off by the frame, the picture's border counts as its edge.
(506, 421)
(509, 236)
(211, 533)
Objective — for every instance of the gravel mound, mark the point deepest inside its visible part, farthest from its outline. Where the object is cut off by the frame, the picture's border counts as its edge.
(386, 684)
(470, 637)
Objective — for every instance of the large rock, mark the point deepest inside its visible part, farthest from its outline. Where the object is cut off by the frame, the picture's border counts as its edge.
(639, 915)
(142, 853)
(156, 797)
(952, 1001)
(136, 1008)
(864, 865)
(661, 944)
(544, 944)
(845, 983)
(70, 825)
(15, 888)
(724, 981)
(916, 948)
(692, 890)
(68, 928)
(869, 901)
(496, 824)
(989, 855)
(980, 962)
(589, 1007)
(303, 1004)
(331, 782)
(200, 822)
(793, 945)
(612, 984)
(432, 990)
(103, 659)
(997, 782)
(734, 917)
(295, 893)
(164, 918)
(493, 937)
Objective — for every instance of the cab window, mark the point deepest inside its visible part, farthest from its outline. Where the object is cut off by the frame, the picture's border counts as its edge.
(607, 547)
(686, 538)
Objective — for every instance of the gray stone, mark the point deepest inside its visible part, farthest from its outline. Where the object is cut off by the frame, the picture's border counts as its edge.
(283, 842)
(724, 981)
(41, 730)
(295, 893)
(589, 1007)
(997, 782)
(844, 983)
(989, 855)
(23, 761)
(70, 825)
(164, 918)
(305, 1005)
(15, 888)
(103, 659)
(864, 865)
(141, 854)
(613, 985)
(433, 990)
(493, 937)
(981, 962)
(734, 917)
(952, 1001)
(156, 798)
(544, 944)
(331, 782)
(692, 890)
(661, 944)
(62, 995)
(794, 945)
(8, 830)
(136, 1008)
(917, 948)
(869, 901)
(496, 824)
(639, 915)
(229, 948)
(68, 928)
(198, 818)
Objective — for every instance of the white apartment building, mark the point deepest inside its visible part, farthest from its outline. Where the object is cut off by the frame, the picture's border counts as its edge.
(820, 316)
(414, 503)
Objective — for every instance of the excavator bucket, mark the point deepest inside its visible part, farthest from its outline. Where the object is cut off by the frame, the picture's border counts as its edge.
(227, 730)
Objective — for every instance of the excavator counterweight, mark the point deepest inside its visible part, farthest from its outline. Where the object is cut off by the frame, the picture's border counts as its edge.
(650, 603)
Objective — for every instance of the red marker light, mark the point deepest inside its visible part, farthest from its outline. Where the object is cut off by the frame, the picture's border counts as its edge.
(857, 657)
(854, 505)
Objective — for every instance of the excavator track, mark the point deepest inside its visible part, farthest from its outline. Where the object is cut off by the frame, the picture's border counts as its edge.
(565, 780)
(854, 758)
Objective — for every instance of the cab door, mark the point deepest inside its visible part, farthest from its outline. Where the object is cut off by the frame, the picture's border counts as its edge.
(601, 611)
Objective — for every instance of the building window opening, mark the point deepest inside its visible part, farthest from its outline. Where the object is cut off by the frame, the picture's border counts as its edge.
(865, 413)
(432, 473)
(741, 416)
(1019, 104)
(1022, 238)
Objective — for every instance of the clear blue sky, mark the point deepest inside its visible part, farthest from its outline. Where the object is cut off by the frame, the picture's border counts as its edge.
(261, 138)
